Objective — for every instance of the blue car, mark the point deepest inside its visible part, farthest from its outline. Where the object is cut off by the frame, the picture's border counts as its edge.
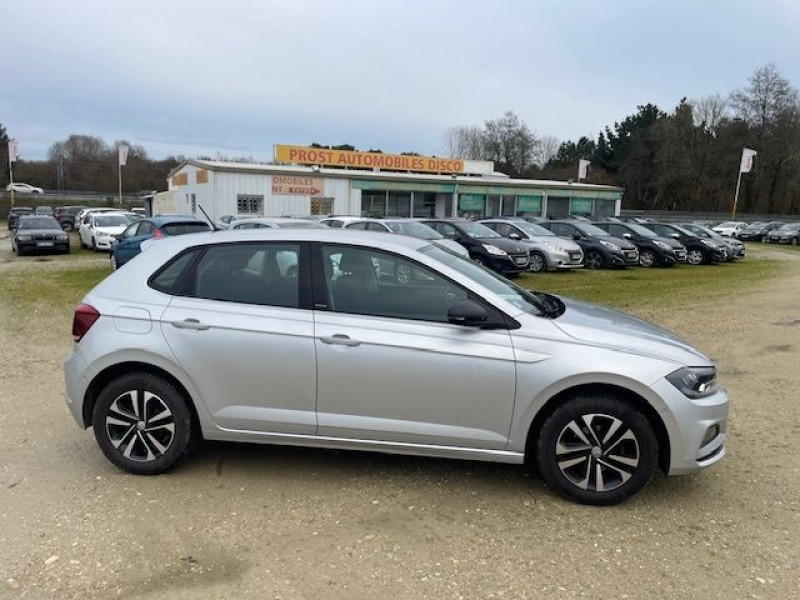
(128, 243)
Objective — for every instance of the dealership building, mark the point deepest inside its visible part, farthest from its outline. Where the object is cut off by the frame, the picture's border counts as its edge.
(312, 181)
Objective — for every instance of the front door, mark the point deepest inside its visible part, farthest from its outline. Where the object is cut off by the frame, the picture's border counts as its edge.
(240, 332)
(389, 365)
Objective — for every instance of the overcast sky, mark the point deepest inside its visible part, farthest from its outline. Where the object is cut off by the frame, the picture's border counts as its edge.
(200, 77)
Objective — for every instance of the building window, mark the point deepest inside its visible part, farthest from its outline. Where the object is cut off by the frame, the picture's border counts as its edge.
(472, 206)
(373, 204)
(194, 204)
(399, 204)
(529, 205)
(322, 206)
(581, 206)
(249, 204)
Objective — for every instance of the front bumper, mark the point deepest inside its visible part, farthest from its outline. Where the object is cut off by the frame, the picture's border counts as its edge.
(558, 260)
(104, 243)
(697, 429)
(512, 263)
(48, 246)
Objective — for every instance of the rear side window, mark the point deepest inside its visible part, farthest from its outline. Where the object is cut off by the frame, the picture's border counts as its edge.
(168, 278)
(181, 228)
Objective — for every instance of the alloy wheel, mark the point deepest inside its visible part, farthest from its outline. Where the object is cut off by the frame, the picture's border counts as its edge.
(537, 262)
(695, 257)
(597, 452)
(140, 425)
(594, 260)
(647, 258)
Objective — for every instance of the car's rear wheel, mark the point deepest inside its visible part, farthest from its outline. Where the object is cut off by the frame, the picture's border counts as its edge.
(594, 260)
(538, 262)
(143, 424)
(695, 256)
(647, 258)
(596, 449)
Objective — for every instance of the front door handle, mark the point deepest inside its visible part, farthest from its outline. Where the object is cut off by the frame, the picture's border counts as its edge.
(191, 324)
(339, 338)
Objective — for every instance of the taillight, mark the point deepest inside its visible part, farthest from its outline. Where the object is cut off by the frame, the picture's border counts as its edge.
(158, 234)
(85, 316)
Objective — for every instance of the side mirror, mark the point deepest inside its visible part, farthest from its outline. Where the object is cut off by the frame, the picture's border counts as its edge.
(627, 236)
(576, 236)
(468, 313)
(514, 236)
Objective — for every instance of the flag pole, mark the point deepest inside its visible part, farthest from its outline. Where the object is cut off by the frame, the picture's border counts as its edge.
(11, 174)
(119, 169)
(736, 197)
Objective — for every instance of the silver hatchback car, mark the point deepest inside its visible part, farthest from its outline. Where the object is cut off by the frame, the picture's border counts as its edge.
(214, 337)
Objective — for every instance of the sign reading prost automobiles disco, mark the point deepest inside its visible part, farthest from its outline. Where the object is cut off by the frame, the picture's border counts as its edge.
(304, 155)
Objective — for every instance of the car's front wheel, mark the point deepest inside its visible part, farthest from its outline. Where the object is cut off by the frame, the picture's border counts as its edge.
(538, 262)
(596, 449)
(143, 424)
(695, 256)
(594, 260)
(647, 258)
(67, 226)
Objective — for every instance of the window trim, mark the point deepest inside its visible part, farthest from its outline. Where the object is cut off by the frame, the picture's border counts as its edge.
(497, 319)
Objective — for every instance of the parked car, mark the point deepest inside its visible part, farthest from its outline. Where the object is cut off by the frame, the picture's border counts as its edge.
(758, 231)
(139, 210)
(275, 223)
(128, 243)
(65, 215)
(35, 233)
(24, 188)
(600, 250)
(492, 250)
(17, 212)
(99, 230)
(699, 251)
(225, 220)
(788, 233)
(547, 250)
(729, 228)
(172, 349)
(43, 211)
(733, 247)
(402, 227)
(81, 215)
(654, 250)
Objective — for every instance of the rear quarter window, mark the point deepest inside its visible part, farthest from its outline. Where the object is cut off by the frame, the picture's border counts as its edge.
(169, 277)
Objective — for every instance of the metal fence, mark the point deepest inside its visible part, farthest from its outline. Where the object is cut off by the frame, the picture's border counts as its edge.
(65, 198)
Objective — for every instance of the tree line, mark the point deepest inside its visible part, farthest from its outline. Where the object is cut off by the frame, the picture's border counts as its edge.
(684, 159)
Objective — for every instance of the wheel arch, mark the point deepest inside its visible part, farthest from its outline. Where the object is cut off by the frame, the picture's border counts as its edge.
(627, 395)
(108, 374)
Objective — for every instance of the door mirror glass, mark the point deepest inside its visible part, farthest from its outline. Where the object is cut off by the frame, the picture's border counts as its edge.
(514, 235)
(468, 313)
(627, 236)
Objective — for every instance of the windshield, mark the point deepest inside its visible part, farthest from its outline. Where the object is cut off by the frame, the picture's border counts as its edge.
(111, 221)
(589, 229)
(642, 231)
(521, 298)
(789, 226)
(39, 224)
(477, 230)
(533, 228)
(414, 229)
(682, 230)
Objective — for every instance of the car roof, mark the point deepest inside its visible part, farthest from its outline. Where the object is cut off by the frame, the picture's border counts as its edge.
(167, 219)
(34, 217)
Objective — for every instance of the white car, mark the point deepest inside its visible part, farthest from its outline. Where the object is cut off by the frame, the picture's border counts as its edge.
(275, 223)
(730, 228)
(24, 188)
(98, 230)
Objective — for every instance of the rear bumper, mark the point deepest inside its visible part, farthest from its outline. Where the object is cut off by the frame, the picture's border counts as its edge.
(77, 376)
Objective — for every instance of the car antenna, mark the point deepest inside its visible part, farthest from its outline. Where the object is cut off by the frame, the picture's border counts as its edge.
(205, 214)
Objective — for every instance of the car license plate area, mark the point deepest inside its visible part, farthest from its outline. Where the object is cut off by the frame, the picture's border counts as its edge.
(44, 244)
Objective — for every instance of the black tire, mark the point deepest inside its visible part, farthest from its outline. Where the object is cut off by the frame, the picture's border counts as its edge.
(151, 449)
(538, 262)
(94, 244)
(67, 226)
(634, 440)
(647, 259)
(594, 260)
(696, 256)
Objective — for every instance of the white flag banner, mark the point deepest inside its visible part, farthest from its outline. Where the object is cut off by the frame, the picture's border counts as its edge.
(747, 160)
(123, 155)
(583, 167)
(13, 151)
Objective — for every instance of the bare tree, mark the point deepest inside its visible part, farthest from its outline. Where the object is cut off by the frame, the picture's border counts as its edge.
(546, 150)
(767, 96)
(709, 111)
(463, 142)
(510, 143)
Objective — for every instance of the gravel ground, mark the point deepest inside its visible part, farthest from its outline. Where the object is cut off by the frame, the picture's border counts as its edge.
(271, 522)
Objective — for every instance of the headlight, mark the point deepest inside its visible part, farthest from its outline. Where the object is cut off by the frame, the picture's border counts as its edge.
(552, 247)
(695, 382)
(662, 245)
(62, 236)
(24, 238)
(494, 250)
(709, 243)
(610, 245)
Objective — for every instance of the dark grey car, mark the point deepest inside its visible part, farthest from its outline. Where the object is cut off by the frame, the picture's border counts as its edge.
(39, 234)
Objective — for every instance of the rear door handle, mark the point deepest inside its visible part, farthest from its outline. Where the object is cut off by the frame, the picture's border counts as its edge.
(191, 324)
(339, 338)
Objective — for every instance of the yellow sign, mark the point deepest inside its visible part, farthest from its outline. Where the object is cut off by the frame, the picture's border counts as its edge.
(304, 155)
(292, 185)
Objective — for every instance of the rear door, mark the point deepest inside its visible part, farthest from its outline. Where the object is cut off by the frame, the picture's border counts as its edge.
(242, 329)
(389, 365)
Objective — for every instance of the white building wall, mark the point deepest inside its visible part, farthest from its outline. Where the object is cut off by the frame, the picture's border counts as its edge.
(203, 192)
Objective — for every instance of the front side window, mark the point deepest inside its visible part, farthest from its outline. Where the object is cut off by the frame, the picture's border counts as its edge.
(370, 282)
(263, 274)
(562, 229)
